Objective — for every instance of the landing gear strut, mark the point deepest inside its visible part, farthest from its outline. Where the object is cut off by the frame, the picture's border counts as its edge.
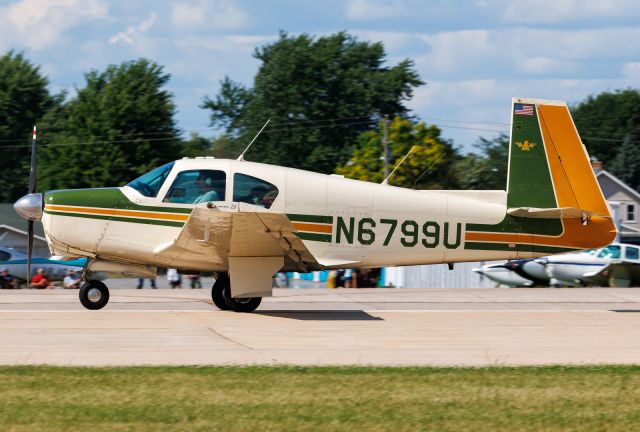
(221, 296)
(94, 295)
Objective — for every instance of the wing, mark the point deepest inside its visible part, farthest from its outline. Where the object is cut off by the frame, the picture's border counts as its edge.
(616, 274)
(210, 237)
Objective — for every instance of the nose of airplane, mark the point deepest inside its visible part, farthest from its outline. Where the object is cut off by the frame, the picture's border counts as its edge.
(30, 206)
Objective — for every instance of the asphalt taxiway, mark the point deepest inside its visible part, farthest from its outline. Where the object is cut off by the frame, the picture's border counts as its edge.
(321, 326)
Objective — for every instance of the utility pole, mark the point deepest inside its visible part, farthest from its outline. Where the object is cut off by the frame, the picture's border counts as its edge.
(385, 145)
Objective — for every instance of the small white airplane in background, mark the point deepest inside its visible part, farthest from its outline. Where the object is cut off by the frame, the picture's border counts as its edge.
(245, 221)
(55, 267)
(617, 264)
(516, 273)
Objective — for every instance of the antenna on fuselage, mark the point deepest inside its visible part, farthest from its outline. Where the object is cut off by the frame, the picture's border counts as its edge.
(386, 180)
(426, 171)
(241, 157)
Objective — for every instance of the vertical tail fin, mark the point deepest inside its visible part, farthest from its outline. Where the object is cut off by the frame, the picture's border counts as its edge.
(554, 202)
(549, 170)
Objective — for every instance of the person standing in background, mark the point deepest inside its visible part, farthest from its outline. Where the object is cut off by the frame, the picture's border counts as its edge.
(71, 280)
(141, 283)
(174, 278)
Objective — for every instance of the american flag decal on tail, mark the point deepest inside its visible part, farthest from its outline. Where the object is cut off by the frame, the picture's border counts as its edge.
(523, 109)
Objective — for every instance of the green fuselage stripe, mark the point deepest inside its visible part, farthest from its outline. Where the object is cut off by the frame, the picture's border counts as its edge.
(310, 218)
(517, 247)
(315, 237)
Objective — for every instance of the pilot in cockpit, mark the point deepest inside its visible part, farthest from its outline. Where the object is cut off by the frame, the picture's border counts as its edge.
(211, 188)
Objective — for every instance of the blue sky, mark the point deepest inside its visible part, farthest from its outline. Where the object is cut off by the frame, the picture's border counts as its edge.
(474, 55)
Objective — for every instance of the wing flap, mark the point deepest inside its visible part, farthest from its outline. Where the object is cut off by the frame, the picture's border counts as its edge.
(210, 237)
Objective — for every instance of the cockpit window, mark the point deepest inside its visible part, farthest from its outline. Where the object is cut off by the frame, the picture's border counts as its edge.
(150, 183)
(197, 186)
(252, 190)
(631, 253)
(611, 251)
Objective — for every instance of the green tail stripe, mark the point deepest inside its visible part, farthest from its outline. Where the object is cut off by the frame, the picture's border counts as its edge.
(310, 218)
(315, 237)
(519, 225)
(529, 183)
(119, 219)
(518, 247)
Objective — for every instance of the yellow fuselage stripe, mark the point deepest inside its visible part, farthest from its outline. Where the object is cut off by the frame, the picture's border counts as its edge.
(117, 212)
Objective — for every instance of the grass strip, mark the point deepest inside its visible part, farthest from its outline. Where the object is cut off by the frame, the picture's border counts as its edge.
(319, 398)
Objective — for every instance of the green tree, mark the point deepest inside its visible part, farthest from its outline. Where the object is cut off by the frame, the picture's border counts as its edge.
(605, 120)
(24, 100)
(119, 126)
(320, 94)
(427, 167)
(195, 146)
(486, 170)
(626, 163)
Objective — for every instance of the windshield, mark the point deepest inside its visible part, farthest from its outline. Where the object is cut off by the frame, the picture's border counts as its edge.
(150, 183)
(610, 251)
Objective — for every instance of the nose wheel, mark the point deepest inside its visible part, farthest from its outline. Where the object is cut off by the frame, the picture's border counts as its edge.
(221, 296)
(94, 295)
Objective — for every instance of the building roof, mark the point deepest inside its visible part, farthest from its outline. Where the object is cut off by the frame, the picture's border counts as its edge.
(8, 216)
(620, 183)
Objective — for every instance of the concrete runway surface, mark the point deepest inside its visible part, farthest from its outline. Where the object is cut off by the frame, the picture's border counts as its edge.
(320, 327)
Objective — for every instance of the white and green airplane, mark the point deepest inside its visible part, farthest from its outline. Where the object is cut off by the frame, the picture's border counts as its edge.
(245, 221)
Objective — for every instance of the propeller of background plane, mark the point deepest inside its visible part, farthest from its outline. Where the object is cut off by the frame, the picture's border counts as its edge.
(30, 205)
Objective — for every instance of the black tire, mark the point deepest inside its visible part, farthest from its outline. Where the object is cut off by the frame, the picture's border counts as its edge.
(94, 295)
(222, 283)
(245, 304)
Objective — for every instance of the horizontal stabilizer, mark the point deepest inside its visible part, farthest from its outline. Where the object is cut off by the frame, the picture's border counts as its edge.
(552, 213)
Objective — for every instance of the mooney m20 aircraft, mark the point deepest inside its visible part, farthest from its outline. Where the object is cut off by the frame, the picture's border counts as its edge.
(245, 221)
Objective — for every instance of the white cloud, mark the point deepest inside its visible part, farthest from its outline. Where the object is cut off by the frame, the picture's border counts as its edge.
(392, 41)
(214, 15)
(239, 44)
(128, 36)
(632, 71)
(527, 51)
(38, 24)
(467, 109)
(375, 9)
(562, 11)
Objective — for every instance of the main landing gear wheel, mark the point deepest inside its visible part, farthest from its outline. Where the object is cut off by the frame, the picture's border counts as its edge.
(221, 284)
(94, 295)
(221, 296)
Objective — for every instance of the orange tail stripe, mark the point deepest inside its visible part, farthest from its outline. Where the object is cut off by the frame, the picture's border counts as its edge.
(575, 235)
